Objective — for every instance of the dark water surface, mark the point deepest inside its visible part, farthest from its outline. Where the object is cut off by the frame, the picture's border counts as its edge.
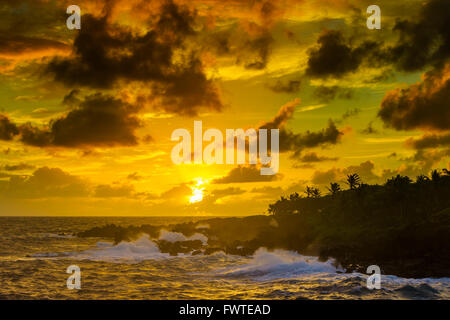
(36, 251)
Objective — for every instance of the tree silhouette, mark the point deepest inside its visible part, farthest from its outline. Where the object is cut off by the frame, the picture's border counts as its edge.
(312, 192)
(353, 180)
(334, 188)
(422, 179)
(435, 176)
(316, 193)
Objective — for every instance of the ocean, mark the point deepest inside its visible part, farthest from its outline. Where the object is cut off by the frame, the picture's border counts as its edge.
(35, 253)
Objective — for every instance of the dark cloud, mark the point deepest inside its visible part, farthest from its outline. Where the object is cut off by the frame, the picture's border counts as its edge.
(429, 141)
(104, 53)
(242, 174)
(429, 158)
(7, 129)
(350, 113)
(22, 19)
(134, 176)
(17, 167)
(297, 142)
(334, 56)
(393, 155)
(289, 86)
(99, 120)
(283, 115)
(327, 93)
(425, 40)
(72, 98)
(369, 129)
(248, 43)
(419, 106)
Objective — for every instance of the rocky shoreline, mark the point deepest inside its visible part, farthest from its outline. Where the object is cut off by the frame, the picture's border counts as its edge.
(243, 236)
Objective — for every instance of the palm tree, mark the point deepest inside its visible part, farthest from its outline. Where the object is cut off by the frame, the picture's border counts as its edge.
(312, 192)
(446, 171)
(315, 193)
(308, 191)
(399, 182)
(422, 179)
(294, 196)
(334, 188)
(353, 180)
(435, 175)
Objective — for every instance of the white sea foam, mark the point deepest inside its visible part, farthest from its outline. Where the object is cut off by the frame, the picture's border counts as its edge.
(141, 249)
(280, 264)
(177, 236)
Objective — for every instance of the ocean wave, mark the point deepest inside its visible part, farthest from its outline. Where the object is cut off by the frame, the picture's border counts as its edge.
(277, 264)
(135, 251)
(177, 236)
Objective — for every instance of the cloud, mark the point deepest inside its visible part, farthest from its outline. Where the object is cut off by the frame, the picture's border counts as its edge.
(113, 191)
(249, 44)
(297, 142)
(420, 106)
(134, 176)
(350, 113)
(11, 47)
(243, 174)
(429, 141)
(369, 129)
(177, 192)
(365, 171)
(327, 93)
(214, 196)
(334, 57)
(105, 53)
(7, 129)
(425, 40)
(429, 158)
(99, 120)
(410, 170)
(17, 167)
(283, 115)
(422, 41)
(314, 157)
(289, 86)
(43, 183)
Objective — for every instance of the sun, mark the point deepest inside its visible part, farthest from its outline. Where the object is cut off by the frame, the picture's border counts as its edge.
(197, 190)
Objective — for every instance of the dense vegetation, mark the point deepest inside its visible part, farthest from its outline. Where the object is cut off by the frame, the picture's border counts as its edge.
(403, 226)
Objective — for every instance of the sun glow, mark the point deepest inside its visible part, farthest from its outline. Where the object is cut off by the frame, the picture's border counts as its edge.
(197, 190)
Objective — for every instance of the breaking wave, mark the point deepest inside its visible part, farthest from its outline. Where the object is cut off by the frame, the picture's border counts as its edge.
(280, 264)
(177, 236)
(136, 251)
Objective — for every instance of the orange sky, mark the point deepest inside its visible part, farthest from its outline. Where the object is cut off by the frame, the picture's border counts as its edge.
(86, 115)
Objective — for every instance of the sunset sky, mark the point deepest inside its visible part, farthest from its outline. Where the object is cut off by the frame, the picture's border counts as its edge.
(86, 115)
